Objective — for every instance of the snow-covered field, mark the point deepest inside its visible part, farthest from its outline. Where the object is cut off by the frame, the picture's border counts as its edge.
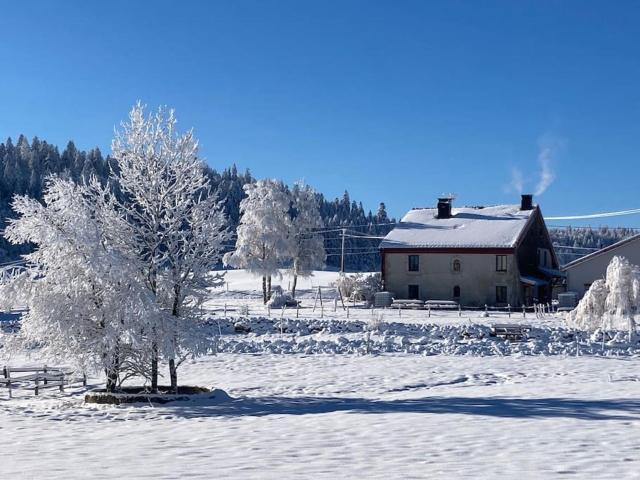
(478, 410)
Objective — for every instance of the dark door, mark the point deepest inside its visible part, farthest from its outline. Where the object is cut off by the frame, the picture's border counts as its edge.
(414, 292)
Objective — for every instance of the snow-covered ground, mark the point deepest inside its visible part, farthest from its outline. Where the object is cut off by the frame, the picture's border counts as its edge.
(347, 416)
(448, 402)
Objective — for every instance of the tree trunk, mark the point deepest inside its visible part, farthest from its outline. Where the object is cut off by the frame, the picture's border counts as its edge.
(293, 285)
(173, 374)
(154, 368)
(112, 379)
(264, 289)
(269, 288)
(173, 368)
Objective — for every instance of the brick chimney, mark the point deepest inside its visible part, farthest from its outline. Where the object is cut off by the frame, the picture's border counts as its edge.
(444, 207)
(526, 203)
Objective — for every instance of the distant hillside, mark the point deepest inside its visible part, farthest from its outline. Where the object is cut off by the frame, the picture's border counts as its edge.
(572, 243)
(25, 165)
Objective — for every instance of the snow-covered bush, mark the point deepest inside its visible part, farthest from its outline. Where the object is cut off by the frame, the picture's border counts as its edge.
(359, 286)
(281, 299)
(611, 303)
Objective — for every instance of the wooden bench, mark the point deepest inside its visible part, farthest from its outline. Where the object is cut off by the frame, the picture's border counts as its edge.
(510, 331)
(441, 304)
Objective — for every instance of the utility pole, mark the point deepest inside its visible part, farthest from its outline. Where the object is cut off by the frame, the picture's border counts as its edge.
(344, 230)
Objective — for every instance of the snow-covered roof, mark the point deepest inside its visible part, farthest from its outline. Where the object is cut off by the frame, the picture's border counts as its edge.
(615, 246)
(468, 227)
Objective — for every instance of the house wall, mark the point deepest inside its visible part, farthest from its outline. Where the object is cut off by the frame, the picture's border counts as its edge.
(477, 279)
(593, 268)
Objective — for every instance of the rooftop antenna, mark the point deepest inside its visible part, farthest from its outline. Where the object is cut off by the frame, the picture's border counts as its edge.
(449, 196)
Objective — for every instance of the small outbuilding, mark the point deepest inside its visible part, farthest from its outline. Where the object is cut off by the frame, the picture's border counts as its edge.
(499, 255)
(581, 273)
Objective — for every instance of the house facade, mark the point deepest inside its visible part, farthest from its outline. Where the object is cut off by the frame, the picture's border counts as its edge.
(500, 255)
(581, 273)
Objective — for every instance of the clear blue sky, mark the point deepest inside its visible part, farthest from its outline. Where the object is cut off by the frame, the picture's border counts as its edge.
(394, 101)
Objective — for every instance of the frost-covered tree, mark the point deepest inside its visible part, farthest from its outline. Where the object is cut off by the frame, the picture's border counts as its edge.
(610, 303)
(263, 241)
(619, 304)
(307, 244)
(589, 313)
(83, 298)
(175, 229)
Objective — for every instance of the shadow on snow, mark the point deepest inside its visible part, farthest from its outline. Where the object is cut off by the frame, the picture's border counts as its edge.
(526, 408)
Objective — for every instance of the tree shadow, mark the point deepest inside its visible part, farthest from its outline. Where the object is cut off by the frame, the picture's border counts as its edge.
(501, 407)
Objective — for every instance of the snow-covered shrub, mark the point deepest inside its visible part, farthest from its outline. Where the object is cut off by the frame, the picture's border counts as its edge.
(360, 286)
(610, 303)
(281, 299)
(376, 322)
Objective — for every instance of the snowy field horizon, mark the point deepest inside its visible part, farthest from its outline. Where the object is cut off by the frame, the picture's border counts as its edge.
(381, 394)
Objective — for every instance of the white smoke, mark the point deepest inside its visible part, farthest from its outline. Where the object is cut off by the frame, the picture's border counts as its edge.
(517, 181)
(547, 176)
(549, 147)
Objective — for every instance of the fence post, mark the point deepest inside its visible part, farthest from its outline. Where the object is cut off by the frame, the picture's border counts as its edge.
(7, 374)
(45, 374)
(524, 311)
(269, 310)
(347, 311)
(400, 311)
(62, 381)
(37, 384)
(509, 309)
(297, 310)
(459, 310)
(429, 311)
(335, 304)
(486, 310)
(225, 310)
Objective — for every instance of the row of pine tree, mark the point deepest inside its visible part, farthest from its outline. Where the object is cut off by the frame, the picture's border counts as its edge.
(25, 165)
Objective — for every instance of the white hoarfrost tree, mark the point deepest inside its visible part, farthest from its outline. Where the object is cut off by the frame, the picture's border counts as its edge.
(83, 299)
(610, 304)
(175, 230)
(264, 242)
(307, 244)
(589, 313)
(619, 304)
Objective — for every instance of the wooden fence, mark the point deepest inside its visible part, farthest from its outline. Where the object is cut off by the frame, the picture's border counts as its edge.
(38, 378)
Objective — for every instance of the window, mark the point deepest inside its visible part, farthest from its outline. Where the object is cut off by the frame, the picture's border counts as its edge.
(414, 263)
(457, 266)
(501, 294)
(456, 292)
(543, 257)
(501, 263)
(414, 292)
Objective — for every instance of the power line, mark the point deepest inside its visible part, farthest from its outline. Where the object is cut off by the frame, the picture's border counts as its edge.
(597, 215)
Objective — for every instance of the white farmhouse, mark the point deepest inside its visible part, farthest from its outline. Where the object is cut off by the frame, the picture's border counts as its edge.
(496, 255)
(581, 273)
